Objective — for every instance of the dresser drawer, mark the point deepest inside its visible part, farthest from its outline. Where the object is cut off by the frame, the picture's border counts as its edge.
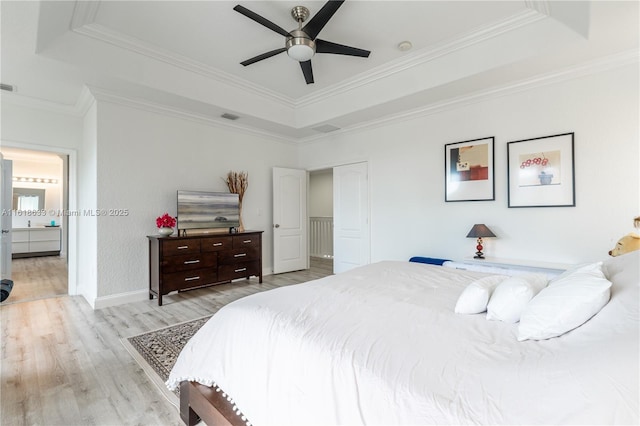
(176, 247)
(238, 270)
(186, 262)
(246, 241)
(187, 279)
(238, 255)
(216, 243)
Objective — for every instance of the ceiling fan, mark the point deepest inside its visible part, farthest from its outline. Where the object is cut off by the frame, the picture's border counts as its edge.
(301, 44)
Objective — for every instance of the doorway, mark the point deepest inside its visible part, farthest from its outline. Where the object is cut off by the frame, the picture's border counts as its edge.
(339, 215)
(39, 231)
(321, 216)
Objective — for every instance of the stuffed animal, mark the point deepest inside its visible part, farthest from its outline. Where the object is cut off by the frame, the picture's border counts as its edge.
(629, 242)
(626, 244)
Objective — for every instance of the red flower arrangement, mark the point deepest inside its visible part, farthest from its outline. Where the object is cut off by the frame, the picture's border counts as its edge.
(166, 221)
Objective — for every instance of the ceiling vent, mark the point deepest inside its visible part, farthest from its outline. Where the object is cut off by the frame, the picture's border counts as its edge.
(326, 128)
(228, 116)
(7, 87)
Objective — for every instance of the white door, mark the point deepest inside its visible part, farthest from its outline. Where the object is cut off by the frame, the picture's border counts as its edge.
(289, 220)
(350, 217)
(5, 222)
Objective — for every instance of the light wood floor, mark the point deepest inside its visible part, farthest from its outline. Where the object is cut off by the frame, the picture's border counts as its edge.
(38, 278)
(64, 364)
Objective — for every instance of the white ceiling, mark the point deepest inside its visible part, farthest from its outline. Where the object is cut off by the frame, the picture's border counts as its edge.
(184, 56)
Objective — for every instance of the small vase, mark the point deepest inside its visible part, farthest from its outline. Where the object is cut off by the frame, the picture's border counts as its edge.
(165, 231)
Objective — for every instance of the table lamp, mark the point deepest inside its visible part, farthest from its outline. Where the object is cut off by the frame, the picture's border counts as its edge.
(479, 231)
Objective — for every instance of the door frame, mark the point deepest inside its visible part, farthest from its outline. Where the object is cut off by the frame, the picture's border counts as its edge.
(71, 229)
(7, 219)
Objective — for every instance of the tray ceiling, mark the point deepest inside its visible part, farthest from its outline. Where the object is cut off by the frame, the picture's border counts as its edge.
(185, 55)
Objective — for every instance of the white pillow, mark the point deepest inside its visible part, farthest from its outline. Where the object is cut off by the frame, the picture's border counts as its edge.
(512, 295)
(565, 304)
(474, 298)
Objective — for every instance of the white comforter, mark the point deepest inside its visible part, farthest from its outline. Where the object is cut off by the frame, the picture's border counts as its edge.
(381, 345)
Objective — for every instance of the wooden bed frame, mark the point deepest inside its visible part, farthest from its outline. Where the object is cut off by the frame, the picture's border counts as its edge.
(200, 402)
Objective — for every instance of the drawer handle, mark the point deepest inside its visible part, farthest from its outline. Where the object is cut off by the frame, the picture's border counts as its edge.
(192, 278)
(189, 262)
(246, 241)
(240, 270)
(182, 247)
(217, 244)
(240, 255)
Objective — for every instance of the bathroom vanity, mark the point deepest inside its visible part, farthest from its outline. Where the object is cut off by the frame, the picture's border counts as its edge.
(36, 241)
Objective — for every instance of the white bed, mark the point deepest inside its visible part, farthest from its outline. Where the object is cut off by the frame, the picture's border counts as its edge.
(381, 344)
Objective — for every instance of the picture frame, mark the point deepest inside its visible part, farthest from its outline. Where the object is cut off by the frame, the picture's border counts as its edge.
(541, 172)
(469, 170)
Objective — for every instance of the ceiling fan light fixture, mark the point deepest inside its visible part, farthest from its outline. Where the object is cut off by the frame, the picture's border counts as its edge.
(300, 48)
(300, 52)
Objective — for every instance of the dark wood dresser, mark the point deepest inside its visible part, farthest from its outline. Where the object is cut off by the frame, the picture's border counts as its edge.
(184, 263)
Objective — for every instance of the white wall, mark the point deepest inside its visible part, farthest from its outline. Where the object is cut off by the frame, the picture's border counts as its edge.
(33, 128)
(144, 157)
(87, 201)
(406, 165)
(321, 193)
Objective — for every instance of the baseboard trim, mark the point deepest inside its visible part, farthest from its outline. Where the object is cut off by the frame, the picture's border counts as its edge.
(120, 299)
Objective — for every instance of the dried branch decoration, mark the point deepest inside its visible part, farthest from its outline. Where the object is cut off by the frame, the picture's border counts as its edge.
(237, 182)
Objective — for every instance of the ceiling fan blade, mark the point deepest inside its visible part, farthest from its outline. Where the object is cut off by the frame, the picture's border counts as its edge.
(320, 19)
(323, 46)
(307, 71)
(263, 56)
(260, 20)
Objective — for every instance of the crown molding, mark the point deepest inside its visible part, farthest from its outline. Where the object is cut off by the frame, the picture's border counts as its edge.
(89, 94)
(84, 13)
(37, 103)
(106, 35)
(84, 102)
(104, 95)
(607, 63)
(463, 41)
(540, 6)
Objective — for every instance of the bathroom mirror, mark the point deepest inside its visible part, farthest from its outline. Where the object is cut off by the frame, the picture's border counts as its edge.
(28, 199)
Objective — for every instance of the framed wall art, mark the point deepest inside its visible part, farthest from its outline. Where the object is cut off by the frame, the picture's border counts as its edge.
(541, 172)
(469, 170)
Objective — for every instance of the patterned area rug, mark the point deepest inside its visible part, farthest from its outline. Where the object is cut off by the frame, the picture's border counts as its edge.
(157, 351)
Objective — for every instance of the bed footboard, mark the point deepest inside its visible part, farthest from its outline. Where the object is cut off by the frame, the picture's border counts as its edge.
(200, 402)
